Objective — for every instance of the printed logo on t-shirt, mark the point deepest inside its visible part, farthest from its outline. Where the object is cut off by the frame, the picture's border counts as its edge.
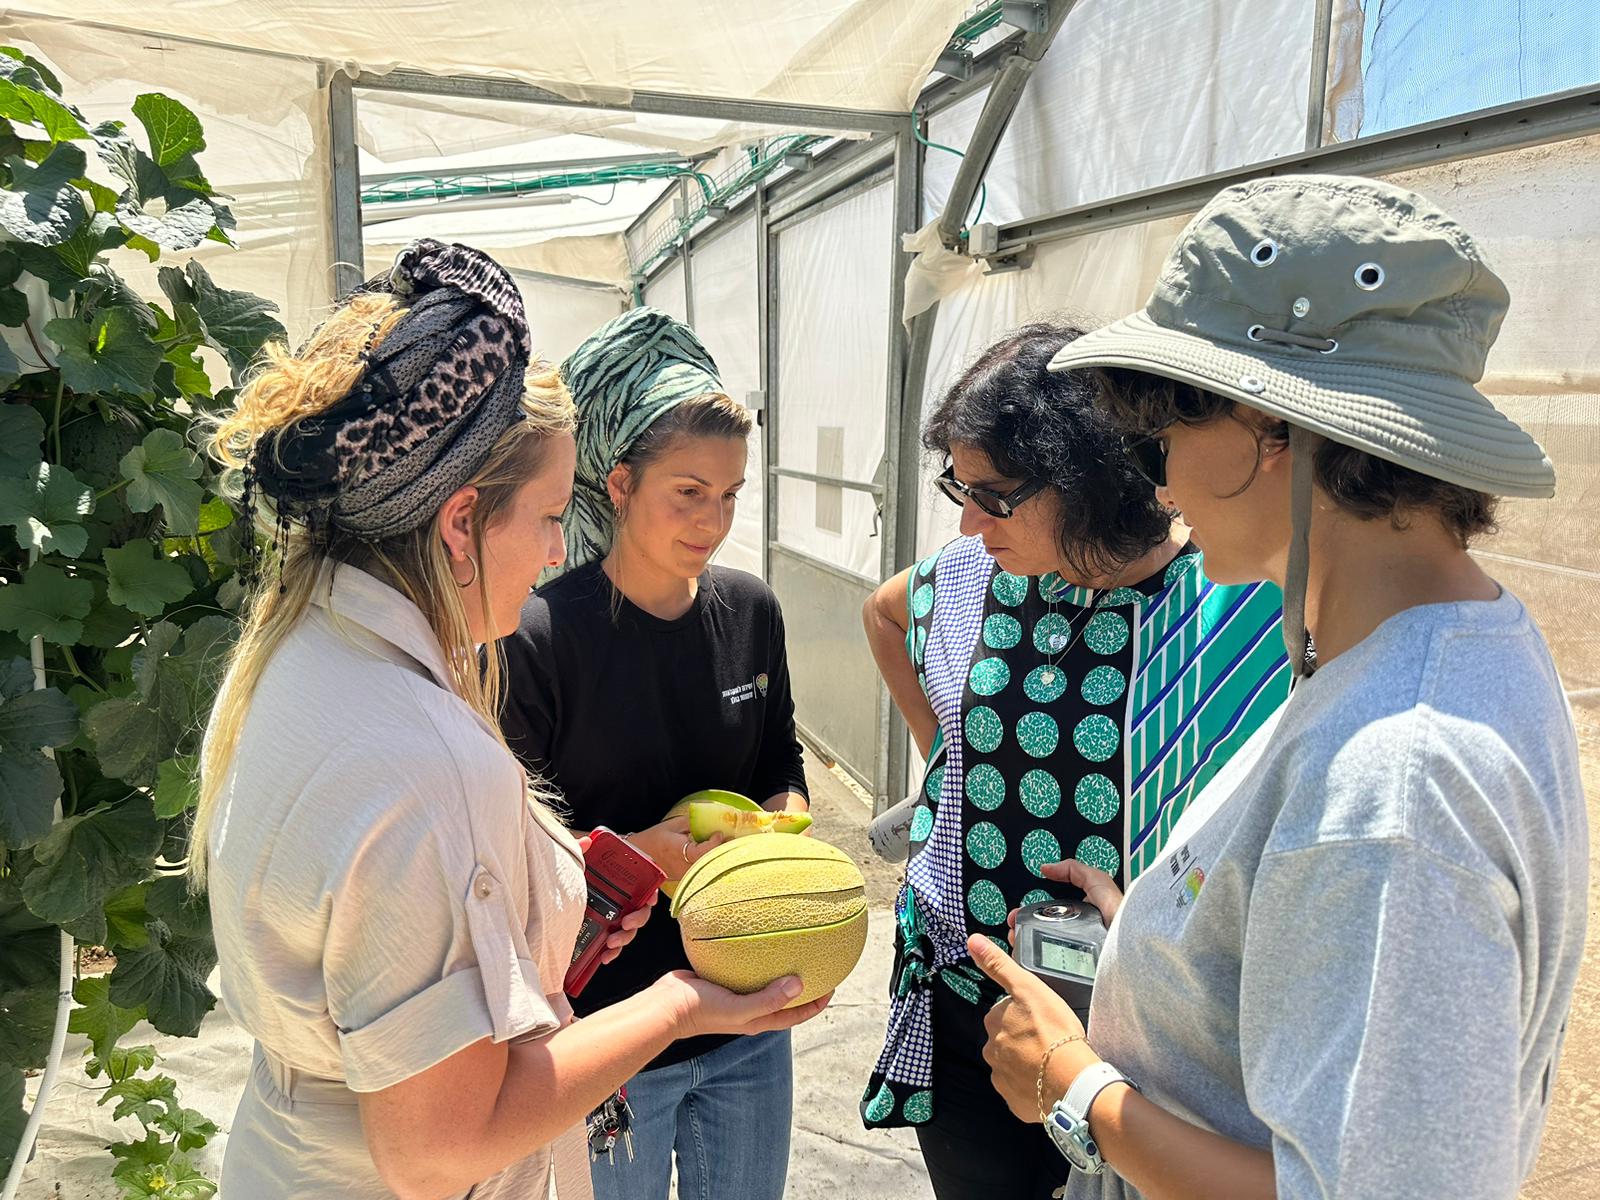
(753, 690)
(1188, 876)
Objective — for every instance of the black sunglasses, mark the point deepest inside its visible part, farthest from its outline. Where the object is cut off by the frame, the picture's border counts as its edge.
(990, 501)
(1149, 457)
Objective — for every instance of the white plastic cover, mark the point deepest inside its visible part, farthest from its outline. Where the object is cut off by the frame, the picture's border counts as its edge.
(666, 292)
(726, 316)
(560, 315)
(868, 54)
(1132, 96)
(833, 366)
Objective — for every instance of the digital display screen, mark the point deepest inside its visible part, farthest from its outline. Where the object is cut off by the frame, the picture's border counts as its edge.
(1066, 958)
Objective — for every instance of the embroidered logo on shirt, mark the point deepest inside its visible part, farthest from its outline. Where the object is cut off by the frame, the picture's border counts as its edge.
(761, 683)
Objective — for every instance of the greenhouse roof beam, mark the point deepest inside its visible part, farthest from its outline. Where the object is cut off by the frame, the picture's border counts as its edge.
(720, 108)
(666, 158)
(1525, 123)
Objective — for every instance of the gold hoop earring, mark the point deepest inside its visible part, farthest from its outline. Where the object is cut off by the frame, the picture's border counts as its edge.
(474, 577)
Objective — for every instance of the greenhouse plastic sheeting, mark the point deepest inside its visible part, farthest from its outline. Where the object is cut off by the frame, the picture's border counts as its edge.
(870, 54)
(265, 122)
(560, 315)
(726, 303)
(666, 292)
(1132, 96)
(832, 369)
(1394, 63)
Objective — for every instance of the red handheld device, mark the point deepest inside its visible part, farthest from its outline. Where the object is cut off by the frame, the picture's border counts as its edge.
(621, 879)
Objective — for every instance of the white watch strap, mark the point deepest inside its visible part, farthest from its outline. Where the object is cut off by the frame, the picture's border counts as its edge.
(1090, 1082)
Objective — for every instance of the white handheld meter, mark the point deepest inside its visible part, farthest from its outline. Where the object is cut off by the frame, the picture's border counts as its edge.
(1060, 942)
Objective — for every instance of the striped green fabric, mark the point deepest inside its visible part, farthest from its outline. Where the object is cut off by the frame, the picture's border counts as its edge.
(626, 374)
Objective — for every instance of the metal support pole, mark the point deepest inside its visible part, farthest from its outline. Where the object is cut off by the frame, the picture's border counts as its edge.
(998, 108)
(767, 338)
(348, 265)
(1317, 100)
(687, 251)
(902, 412)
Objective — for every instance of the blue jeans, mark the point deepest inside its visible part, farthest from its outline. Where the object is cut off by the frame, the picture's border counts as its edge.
(726, 1115)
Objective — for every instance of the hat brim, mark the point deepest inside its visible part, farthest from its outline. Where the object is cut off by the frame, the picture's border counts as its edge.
(1437, 425)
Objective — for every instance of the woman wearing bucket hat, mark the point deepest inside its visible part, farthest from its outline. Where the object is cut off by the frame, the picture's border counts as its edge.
(1354, 979)
(644, 674)
(1073, 678)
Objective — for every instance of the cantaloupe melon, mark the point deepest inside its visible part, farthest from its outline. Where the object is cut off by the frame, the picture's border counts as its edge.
(757, 909)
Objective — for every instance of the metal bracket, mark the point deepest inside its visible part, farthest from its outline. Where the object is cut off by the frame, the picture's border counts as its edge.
(1018, 258)
(755, 400)
(798, 161)
(1030, 16)
(955, 63)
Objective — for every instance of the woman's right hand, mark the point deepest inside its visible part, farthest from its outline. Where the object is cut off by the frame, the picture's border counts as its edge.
(670, 845)
(1098, 888)
(700, 1007)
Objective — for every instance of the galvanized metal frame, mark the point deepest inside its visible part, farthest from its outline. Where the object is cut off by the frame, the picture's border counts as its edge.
(349, 265)
(767, 112)
(1317, 96)
(1515, 126)
(853, 485)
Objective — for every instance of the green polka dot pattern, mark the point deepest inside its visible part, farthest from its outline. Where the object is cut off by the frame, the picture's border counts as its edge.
(925, 567)
(933, 783)
(1104, 685)
(1097, 852)
(918, 1108)
(986, 845)
(922, 645)
(1096, 798)
(922, 600)
(1051, 633)
(1041, 794)
(1037, 896)
(986, 904)
(1107, 633)
(1178, 568)
(986, 787)
(1096, 737)
(984, 730)
(882, 1104)
(1011, 590)
(1038, 848)
(921, 823)
(1124, 595)
(1001, 632)
(1038, 734)
(990, 676)
(1045, 684)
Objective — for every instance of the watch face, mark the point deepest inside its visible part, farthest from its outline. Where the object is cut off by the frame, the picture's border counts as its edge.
(1073, 1140)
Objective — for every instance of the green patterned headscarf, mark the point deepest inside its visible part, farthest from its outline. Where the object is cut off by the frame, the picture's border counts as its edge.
(626, 374)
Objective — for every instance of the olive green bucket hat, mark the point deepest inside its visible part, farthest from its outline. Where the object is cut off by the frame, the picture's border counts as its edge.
(1354, 310)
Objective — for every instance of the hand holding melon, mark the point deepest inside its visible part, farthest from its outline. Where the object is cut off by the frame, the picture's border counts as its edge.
(717, 814)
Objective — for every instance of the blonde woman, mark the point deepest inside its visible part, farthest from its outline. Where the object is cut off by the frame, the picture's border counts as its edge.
(394, 909)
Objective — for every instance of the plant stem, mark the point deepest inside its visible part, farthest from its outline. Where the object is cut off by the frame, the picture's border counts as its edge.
(55, 424)
(113, 489)
(77, 671)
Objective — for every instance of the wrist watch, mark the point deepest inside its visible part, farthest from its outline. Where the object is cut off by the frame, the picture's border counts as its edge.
(1068, 1122)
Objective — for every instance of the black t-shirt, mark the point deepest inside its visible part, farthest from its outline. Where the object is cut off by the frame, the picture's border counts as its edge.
(626, 715)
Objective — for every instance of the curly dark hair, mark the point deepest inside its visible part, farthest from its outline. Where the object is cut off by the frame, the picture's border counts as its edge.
(1033, 423)
(1361, 484)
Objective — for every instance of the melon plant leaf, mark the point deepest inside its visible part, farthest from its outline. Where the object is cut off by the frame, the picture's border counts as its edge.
(177, 786)
(173, 131)
(142, 582)
(97, 1019)
(111, 352)
(168, 978)
(126, 917)
(236, 324)
(12, 1115)
(21, 431)
(47, 508)
(176, 1179)
(93, 238)
(86, 857)
(48, 603)
(145, 1100)
(162, 470)
(42, 205)
(136, 1157)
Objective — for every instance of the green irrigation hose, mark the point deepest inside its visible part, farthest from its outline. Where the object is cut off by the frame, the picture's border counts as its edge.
(983, 188)
(435, 188)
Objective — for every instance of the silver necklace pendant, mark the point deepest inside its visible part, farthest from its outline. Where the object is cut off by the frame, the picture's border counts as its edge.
(1048, 677)
(1058, 642)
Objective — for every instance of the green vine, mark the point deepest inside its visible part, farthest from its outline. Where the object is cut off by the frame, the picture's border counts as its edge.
(118, 549)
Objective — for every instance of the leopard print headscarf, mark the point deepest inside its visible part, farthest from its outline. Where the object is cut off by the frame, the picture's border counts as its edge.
(436, 395)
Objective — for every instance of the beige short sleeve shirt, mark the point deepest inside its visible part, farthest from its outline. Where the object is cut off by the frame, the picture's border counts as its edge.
(383, 895)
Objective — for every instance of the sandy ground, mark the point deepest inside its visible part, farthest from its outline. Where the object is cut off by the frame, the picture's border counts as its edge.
(833, 1157)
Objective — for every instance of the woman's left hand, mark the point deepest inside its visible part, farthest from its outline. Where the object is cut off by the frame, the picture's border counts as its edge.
(631, 922)
(1022, 1027)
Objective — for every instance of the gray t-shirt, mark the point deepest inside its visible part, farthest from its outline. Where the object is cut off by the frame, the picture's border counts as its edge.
(1360, 947)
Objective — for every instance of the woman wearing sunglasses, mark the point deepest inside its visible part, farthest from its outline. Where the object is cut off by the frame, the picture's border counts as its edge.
(1073, 679)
